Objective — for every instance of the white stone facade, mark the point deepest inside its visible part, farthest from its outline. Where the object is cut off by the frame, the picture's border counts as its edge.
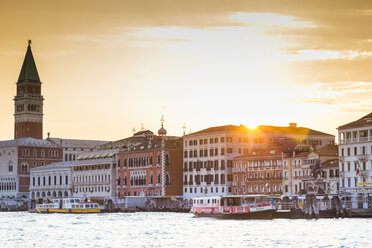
(94, 174)
(355, 152)
(51, 181)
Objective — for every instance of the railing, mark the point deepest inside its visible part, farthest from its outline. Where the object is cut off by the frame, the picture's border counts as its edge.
(363, 173)
(92, 183)
(363, 157)
(234, 170)
(58, 186)
(235, 184)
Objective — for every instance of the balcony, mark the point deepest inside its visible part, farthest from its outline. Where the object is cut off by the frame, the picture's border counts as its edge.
(191, 183)
(363, 173)
(237, 170)
(363, 157)
(234, 183)
(185, 169)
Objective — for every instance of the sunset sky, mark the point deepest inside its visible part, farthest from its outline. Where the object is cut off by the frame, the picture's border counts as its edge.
(108, 66)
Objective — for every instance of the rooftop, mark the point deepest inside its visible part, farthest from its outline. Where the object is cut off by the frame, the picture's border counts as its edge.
(53, 165)
(362, 122)
(263, 129)
(27, 142)
(76, 143)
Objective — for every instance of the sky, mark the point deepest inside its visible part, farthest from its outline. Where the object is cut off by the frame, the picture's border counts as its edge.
(110, 66)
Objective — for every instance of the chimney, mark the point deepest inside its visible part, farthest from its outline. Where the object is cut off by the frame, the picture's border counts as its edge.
(292, 124)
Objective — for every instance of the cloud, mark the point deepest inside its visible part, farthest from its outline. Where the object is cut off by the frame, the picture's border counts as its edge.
(343, 96)
(270, 20)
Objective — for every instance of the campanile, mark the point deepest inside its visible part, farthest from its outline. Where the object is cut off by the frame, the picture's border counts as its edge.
(28, 103)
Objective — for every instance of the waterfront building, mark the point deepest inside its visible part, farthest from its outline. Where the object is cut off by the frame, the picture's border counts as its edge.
(355, 149)
(259, 172)
(328, 156)
(208, 153)
(50, 181)
(296, 170)
(301, 135)
(73, 147)
(151, 165)
(17, 158)
(94, 175)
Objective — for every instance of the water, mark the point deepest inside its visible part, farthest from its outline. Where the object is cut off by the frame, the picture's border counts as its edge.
(22, 229)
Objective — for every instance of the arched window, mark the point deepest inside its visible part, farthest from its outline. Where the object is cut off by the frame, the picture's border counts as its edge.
(167, 181)
(24, 167)
(43, 153)
(166, 159)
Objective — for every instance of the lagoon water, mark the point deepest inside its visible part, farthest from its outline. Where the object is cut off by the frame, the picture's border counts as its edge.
(23, 229)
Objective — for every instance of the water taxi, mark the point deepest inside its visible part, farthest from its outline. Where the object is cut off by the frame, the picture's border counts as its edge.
(68, 205)
(233, 207)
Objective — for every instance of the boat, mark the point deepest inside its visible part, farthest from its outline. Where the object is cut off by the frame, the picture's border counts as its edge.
(233, 207)
(68, 205)
(358, 202)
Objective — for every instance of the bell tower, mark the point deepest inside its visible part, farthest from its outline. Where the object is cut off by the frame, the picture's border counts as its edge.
(28, 103)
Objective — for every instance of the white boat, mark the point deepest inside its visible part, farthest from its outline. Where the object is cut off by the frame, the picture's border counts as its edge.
(358, 202)
(233, 207)
(68, 205)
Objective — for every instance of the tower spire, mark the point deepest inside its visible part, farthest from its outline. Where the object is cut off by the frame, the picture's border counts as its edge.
(29, 70)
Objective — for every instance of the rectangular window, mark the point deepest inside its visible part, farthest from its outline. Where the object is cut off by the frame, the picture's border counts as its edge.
(222, 140)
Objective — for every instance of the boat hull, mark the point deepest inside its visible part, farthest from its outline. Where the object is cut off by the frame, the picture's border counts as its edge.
(69, 211)
(265, 214)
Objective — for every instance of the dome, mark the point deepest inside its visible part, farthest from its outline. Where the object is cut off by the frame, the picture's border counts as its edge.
(162, 131)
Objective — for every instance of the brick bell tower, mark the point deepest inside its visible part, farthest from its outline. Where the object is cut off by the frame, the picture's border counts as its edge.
(28, 103)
